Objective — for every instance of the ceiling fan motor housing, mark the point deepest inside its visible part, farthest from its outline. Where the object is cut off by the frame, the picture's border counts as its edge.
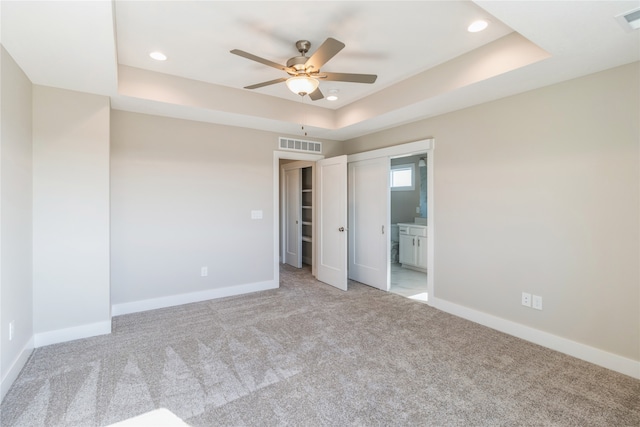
(297, 63)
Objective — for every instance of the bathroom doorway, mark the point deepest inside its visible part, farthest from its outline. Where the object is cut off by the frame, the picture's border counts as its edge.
(409, 226)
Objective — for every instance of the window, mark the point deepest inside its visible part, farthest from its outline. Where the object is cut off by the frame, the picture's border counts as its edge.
(403, 177)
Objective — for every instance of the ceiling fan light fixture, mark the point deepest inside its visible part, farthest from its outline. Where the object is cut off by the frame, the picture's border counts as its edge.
(302, 85)
(477, 26)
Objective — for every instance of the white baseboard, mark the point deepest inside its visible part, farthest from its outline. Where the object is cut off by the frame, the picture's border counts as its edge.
(572, 348)
(173, 300)
(70, 334)
(15, 368)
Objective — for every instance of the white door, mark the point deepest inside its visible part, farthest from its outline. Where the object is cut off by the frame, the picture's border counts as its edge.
(368, 222)
(293, 225)
(332, 221)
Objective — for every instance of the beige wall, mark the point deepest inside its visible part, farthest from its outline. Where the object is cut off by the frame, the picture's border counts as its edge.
(16, 296)
(182, 195)
(70, 214)
(539, 192)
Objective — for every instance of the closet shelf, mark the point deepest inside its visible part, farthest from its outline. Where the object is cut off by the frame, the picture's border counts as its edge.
(307, 190)
(306, 207)
(307, 239)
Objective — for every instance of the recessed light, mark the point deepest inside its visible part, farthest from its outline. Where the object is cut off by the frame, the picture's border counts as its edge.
(158, 56)
(333, 95)
(477, 26)
(630, 20)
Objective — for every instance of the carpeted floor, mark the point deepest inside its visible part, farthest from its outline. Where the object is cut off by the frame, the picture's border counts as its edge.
(308, 354)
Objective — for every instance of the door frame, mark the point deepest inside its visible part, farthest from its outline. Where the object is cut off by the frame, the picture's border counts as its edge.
(408, 149)
(285, 155)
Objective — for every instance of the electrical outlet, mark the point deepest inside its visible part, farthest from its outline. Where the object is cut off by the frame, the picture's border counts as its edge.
(204, 271)
(11, 329)
(537, 302)
(526, 299)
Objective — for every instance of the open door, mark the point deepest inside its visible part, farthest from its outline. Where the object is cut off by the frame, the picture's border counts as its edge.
(332, 221)
(292, 218)
(368, 222)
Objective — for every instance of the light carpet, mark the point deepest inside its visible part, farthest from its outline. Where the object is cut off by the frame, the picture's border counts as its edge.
(308, 354)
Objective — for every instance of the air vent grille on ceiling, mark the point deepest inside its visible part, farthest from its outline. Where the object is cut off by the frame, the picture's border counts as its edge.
(300, 145)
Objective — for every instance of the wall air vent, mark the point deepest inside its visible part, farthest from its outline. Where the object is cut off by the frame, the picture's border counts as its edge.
(300, 145)
(630, 20)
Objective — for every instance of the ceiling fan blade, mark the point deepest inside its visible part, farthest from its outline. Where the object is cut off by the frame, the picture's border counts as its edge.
(325, 52)
(270, 82)
(260, 60)
(347, 77)
(316, 94)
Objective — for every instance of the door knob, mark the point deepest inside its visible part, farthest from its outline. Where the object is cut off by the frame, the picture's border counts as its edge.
(341, 229)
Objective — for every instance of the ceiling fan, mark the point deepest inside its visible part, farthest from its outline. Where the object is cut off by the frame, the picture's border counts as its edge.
(304, 72)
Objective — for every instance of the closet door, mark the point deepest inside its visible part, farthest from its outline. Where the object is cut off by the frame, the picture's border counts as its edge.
(368, 222)
(293, 222)
(332, 221)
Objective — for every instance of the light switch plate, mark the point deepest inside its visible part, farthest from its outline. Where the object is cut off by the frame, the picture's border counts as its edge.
(256, 214)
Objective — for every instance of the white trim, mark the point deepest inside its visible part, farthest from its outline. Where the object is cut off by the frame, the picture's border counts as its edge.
(431, 220)
(174, 300)
(572, 348)
(408, 149)
(71, 334)
(15, 368)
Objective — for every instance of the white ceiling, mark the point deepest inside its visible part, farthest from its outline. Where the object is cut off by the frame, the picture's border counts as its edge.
(427, 63)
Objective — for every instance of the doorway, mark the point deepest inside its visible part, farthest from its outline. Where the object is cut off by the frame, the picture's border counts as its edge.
(297, 212)
(281, 158)
(327, 227)
(409, 229)
(417, 159)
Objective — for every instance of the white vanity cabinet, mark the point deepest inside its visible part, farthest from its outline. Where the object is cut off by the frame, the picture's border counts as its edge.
(413, 246)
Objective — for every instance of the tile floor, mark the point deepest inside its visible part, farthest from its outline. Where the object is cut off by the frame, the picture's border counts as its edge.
(408, 283)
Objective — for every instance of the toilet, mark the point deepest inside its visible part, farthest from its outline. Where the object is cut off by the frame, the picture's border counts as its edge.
(395, 244)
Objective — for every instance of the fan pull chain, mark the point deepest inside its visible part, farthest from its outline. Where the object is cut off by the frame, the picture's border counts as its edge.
(304, 116)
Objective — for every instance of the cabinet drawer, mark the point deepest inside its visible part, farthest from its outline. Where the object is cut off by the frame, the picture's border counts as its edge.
(418, 231)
